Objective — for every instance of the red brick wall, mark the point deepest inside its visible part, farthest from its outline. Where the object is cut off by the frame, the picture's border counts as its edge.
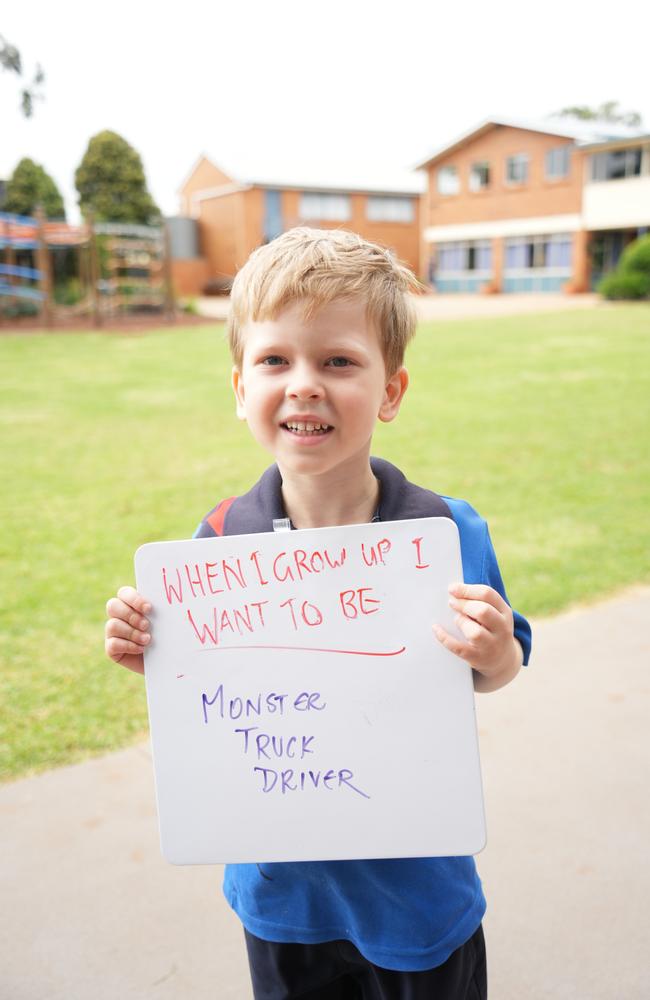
(204, 175)
(538, 196)
(189, 276)
(401, 237)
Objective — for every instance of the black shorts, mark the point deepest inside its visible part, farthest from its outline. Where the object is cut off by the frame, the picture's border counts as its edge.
(336, 970)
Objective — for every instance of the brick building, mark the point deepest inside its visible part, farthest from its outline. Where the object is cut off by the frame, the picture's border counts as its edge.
(517, 207)
(235, 214)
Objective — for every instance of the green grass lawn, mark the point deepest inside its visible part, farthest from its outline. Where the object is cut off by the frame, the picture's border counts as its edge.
(109, 441)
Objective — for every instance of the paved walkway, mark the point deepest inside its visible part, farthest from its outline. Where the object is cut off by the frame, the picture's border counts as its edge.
(444, 307)
(90, 911)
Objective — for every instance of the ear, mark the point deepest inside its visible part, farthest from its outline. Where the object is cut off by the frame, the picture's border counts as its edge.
(237, 381)
(393, 395)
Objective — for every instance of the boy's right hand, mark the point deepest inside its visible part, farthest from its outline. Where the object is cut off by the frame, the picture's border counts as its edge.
(127, 628)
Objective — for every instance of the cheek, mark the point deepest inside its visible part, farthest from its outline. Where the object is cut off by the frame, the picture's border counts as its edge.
(262, 400)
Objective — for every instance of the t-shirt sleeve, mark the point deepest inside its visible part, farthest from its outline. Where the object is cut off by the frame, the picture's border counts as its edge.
(480, 562)
(492, 576)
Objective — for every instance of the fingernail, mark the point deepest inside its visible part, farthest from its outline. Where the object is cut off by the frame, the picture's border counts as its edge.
(146, 637)
(146, 608)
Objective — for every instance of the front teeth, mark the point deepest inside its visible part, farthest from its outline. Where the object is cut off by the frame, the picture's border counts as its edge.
(307, 427)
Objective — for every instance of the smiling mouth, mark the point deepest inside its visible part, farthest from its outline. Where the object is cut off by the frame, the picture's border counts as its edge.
(307, 429)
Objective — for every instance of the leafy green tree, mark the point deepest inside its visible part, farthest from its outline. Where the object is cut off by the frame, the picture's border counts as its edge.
(111, 183)
(10, 59)
(30, 186)
(607, 112)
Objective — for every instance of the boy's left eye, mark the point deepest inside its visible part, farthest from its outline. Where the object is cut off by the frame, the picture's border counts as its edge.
(339, 362)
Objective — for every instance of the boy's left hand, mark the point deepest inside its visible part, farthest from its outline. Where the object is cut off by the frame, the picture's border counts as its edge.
(487, 623)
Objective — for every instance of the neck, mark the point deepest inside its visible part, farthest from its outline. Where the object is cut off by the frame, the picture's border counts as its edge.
(321, 501)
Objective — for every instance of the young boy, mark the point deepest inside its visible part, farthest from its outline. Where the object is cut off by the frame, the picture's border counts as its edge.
(318, 327)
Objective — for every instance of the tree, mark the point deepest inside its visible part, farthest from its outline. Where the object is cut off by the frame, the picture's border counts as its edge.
(10, 59)
(111, 183)
(30, 186)
(606, 112)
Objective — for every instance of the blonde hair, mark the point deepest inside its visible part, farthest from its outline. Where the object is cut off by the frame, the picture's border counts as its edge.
(319, 266)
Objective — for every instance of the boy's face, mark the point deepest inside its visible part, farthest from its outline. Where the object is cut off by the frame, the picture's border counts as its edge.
(312, 389)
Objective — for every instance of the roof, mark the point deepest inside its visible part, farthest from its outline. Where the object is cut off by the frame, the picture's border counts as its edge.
(336, 179)
(618, 143)
(584, 133)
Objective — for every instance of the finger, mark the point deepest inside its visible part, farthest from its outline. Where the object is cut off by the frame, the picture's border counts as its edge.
(470, 629)
(478, 592)
(116, 608)
(115, 628)
(131, 597)
(485, 614)
(450, 642)
(135, 663)
(118, 648)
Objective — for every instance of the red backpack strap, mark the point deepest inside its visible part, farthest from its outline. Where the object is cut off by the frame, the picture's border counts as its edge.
(216, 518)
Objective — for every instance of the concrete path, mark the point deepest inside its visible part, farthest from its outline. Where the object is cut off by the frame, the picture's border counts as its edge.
(90, 911)
(445, 307)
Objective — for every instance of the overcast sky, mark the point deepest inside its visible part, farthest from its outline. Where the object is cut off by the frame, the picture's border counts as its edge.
(347, 87)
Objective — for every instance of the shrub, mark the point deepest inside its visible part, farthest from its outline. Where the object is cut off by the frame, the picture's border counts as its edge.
(19, 309)
(631, 279)
(636, 257)
(621, 285)
(190, 307)
(69, 293)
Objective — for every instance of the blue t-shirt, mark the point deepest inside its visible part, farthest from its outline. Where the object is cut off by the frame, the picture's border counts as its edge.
(407, 914)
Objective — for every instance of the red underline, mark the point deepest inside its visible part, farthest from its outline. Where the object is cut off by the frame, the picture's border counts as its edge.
(306, 649)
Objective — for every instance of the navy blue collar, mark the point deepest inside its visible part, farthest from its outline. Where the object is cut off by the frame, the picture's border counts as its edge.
(256, 510)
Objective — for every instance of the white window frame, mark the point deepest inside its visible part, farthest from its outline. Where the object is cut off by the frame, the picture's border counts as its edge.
(443, 177)
(551, 170)
(325, 206)
(539, 242)
(390, 208)
(475, 177)
(519, 159)
(602, 158)
(465, 246)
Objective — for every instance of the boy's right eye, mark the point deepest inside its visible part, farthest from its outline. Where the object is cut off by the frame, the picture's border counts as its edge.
(273, 359)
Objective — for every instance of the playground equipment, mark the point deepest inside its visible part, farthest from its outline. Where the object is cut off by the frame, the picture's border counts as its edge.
(134, 267)
(20, 240)
(120, 269)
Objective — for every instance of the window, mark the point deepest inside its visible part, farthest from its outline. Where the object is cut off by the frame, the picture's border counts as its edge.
(459, 258)
(335, 207)
(539, 253)
(557, 162)
(384, 209)
(616, 164)
(479, 177)
(448, 180)
(517, 169)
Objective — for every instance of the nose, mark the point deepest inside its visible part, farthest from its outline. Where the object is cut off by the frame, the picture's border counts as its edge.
(304, 383)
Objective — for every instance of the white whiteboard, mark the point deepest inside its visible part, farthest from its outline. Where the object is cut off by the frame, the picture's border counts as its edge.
(300, 705)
